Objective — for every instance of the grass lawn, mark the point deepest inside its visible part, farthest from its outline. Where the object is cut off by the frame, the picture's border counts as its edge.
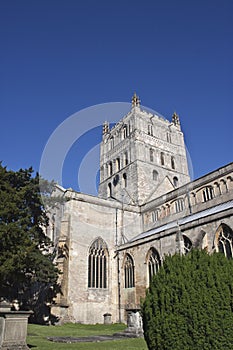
(37, 337)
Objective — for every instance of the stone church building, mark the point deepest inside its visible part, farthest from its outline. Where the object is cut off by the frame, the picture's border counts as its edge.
(110, 246)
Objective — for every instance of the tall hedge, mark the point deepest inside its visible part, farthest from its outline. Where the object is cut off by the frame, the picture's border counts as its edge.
(189, 304)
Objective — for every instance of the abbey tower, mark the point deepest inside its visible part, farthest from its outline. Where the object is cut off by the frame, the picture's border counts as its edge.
(142, 157)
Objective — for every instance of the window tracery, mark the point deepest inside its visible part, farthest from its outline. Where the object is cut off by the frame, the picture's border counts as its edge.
(179, 205)
(224, 240)
(208, 193)
(187, 244)
(154, 263)
(129, 272)
(155, 215)
(97, 264)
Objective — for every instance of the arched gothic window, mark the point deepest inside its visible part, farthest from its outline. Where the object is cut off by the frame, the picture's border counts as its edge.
(224, 240)
(187, 244)
(125, 131)
(129, 272)
(109, 189)
(154, 263)
(175, 181)
(124, 180)
(97, 264)
(112, 142)
(126, 161)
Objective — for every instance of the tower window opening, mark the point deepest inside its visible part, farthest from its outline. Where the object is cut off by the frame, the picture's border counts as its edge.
(162, 158)
(173, 162)
(111, 142)
(125, 180)
(125, 131)
(118, 164)
(126, 161)
(110, 169)
(151, 154)
(150, 129)
(175, 181)
(109, 190)
(129, 272)
(116, 180)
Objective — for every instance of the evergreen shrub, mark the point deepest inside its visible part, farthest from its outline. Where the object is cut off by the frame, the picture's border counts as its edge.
(189, 303)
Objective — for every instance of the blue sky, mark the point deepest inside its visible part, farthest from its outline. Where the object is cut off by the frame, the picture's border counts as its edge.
(59, 57)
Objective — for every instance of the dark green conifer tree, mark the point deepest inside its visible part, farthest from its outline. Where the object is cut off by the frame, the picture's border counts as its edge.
(27, 272)
(189, 304)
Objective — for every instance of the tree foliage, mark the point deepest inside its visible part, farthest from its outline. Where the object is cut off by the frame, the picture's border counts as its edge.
(27, 272)
(189, 304)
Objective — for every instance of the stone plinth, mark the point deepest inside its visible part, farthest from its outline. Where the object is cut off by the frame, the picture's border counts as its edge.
(13, 328)
(107, 318)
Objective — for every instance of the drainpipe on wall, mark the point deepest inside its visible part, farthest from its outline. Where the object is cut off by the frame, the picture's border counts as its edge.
(118, 269)
(119, 286)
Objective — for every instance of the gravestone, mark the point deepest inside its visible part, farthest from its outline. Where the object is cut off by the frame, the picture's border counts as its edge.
(134, 323)
(13, 328)
(107, 318)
